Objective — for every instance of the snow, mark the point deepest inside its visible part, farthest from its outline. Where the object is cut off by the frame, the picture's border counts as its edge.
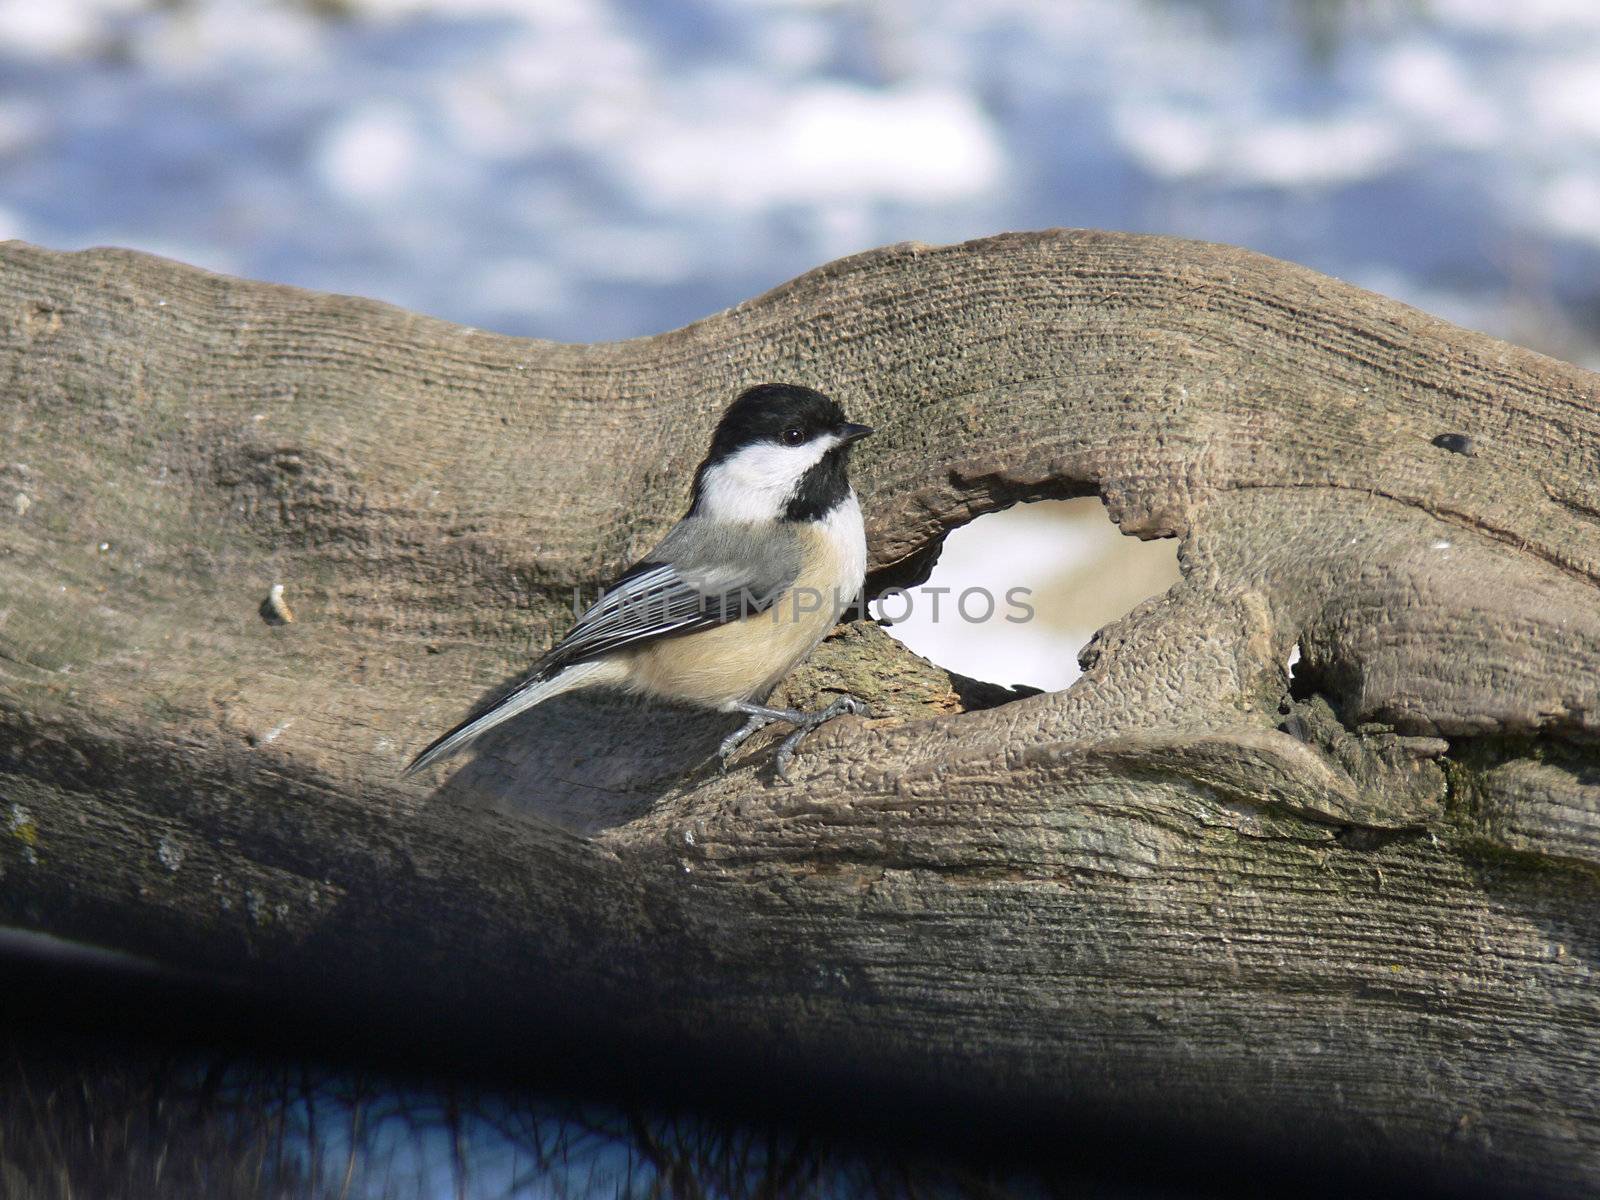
(1565, 97)
(53, 30)
(1569, 203)
(1433, 89)
(1010, 550)
(370, 155)
(812, 145)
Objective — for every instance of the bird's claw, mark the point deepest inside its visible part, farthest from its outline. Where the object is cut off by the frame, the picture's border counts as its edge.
(843, 706)
(737, 738)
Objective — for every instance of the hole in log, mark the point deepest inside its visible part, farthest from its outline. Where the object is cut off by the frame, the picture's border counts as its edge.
(1056, 571)
(1307, 679)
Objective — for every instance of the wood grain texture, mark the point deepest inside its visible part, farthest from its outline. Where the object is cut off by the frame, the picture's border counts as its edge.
(1360, 911)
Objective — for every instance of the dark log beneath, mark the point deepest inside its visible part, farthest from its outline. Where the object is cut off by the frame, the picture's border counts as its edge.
(1359, 908)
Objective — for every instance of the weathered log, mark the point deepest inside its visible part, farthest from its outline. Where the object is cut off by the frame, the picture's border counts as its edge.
(1356, 907)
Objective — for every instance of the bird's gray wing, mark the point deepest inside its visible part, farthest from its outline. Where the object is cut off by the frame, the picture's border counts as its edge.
(704, 573)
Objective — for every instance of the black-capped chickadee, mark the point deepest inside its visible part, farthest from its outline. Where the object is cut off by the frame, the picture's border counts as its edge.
(767, 558)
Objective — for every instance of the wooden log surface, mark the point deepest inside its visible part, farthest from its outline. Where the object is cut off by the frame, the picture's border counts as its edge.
(1357, 907)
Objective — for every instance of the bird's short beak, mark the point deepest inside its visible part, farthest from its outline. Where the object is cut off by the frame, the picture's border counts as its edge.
(854, 433)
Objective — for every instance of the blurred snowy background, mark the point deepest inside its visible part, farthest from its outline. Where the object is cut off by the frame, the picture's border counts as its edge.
(592, 169)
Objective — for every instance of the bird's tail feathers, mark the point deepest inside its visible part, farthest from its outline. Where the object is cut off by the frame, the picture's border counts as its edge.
(535, 691)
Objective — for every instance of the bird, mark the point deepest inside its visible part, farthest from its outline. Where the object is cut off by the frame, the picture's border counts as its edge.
(770, 553)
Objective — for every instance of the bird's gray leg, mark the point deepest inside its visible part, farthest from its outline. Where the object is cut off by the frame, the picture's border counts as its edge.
(756, 723)
(804, 724)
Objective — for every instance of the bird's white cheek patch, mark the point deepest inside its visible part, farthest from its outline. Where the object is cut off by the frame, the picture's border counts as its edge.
(757, 483)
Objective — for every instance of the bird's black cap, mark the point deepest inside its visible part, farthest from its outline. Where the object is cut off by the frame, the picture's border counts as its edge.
(763, 412)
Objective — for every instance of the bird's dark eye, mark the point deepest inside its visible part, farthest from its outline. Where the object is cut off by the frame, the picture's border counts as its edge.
(793, 435)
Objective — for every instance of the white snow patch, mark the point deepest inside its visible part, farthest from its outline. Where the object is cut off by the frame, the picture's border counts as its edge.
(371, 154)
(1309, 152)
(1523, 18)
(814, 144)
(1565, 97)
(53, 28)
(1569, 204)
(1010, 549)
(1427, 82)
(1176, 143)
(1169, 142)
